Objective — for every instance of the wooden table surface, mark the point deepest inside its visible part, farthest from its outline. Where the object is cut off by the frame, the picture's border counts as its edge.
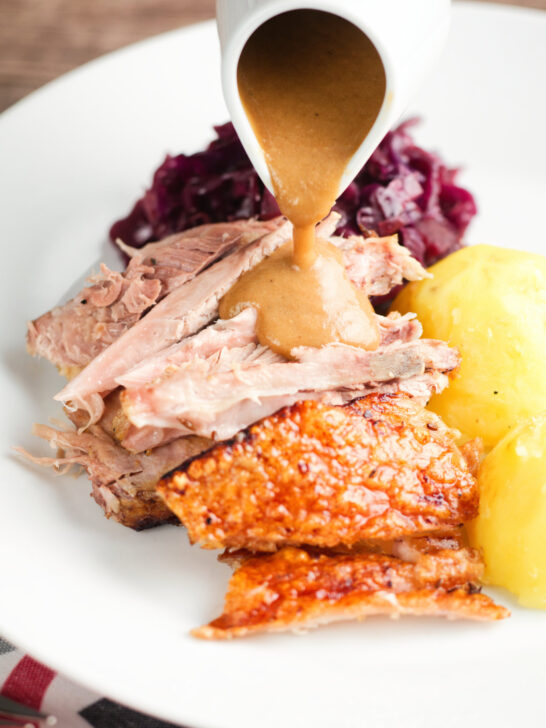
(41, 39)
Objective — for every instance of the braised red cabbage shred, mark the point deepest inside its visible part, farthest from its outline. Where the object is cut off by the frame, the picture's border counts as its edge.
(402, 189)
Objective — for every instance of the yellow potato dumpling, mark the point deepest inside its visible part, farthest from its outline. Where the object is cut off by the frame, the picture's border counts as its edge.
(490, 303)
(511, 527)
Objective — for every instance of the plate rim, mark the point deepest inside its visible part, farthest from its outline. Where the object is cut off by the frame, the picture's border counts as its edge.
(490, 7)
(20, 106)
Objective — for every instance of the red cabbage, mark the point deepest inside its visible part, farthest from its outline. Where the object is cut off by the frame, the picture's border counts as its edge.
(401, 189)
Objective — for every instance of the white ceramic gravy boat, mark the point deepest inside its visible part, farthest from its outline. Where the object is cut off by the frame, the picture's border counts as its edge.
(408, 35)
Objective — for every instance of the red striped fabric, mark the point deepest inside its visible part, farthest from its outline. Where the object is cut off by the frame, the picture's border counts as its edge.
(28, 682)
(32, 684)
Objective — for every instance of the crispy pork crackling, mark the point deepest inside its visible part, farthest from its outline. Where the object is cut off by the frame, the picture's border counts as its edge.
(379, 467)
(297, 589)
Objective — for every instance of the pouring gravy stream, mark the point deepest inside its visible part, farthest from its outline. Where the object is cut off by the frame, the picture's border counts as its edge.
(312, 85)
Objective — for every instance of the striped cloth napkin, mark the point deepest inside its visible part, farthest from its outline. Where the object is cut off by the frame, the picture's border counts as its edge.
(29, 682)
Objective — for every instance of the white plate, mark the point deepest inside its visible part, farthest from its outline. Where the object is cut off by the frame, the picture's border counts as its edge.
(112, 608)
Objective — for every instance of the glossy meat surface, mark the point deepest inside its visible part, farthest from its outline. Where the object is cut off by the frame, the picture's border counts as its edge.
(297, 589)
(380, 467)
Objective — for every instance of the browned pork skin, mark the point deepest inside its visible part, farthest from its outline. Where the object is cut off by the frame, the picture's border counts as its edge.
(296, 589)
(380, 467)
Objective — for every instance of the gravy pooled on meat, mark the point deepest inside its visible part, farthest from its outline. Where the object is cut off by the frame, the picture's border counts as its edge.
(312, 85)
(310, 306)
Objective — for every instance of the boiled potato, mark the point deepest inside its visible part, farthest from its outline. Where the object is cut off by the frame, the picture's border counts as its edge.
(511, 527)
(490, 303)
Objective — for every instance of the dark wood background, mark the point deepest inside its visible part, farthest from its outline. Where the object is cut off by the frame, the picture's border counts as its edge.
(41, 39)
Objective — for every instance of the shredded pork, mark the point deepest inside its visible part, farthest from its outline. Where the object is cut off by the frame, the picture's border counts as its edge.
(161, 372)
(123, 484)
(181, 313)
(73, 334)
(335, 469)
(204, 394)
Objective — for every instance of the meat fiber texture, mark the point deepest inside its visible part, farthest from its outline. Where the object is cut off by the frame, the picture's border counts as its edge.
(375, 267)
(168, 370)
(123, 484)
(351, 491)
(73, 334)
(183, 312)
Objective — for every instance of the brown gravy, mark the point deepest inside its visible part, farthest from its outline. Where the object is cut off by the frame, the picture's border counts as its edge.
(312, 85)
(332, 310)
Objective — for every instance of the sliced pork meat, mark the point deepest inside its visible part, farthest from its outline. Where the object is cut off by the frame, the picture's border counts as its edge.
(226, 425)
(110, 420)
(70, 336)
(377, 265)
(396, 328)
(229, 334)
(144, 439)
(183, 312)
(194, 304)
(124, 485)
(209, 399)
(238, 332)
(296, 589)
(380, 467)
(234, 333)
(385, 363)
(421, 388)
(180, 257)
(114, 424)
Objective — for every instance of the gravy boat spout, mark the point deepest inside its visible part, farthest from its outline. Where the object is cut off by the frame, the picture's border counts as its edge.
(408, 37)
